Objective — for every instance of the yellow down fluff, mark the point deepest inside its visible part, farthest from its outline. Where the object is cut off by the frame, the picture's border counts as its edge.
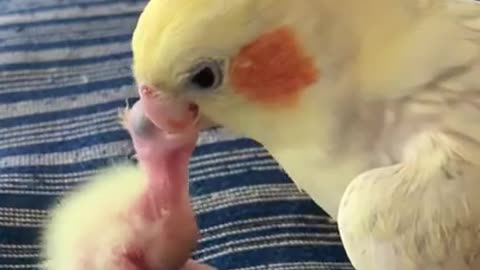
(88, 215)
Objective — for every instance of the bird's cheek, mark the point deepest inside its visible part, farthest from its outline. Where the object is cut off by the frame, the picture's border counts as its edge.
(274, 69)
(170, 114)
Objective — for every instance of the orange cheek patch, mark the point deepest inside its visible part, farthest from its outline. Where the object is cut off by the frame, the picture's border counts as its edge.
(273, 69)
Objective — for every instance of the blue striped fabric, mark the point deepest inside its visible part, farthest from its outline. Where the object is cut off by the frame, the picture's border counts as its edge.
(64, 76)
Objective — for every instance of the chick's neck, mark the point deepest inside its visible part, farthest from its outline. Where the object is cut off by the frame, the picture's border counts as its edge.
(167, 179)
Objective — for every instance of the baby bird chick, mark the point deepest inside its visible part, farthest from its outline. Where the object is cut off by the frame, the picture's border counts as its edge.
(130, 217)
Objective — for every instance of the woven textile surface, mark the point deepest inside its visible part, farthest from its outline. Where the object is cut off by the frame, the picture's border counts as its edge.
(64, 76)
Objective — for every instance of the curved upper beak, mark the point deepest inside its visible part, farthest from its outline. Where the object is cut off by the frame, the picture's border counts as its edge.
(166, 112)
(170, 113)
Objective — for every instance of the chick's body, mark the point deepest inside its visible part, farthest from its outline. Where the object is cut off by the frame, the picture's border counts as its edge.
(98, 227)
(130, 217)
(342, 93)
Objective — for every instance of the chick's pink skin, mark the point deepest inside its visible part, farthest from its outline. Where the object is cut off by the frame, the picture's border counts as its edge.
(163, 156)
(167, 231)
(131, 217)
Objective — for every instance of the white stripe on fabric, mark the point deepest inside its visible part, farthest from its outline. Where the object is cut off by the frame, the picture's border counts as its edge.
(31, 107)
(243, 222)
(217, 136)
(48, 178)
(284, 225)
(68, 76)
(214, 176)
(35, 6)
(257, 243)
(59, 138)
(215, 157)
(46, 138)
(31, 218)
(60, 134)
(247, 195)
(25, 192)
(57, 125)
(13, 182)
(20, 246)
(233, 167)
(75, 156)
(19, 256)
(62, 54)
(19, 266)
(52, 35)
(73, 12)
(301, 266)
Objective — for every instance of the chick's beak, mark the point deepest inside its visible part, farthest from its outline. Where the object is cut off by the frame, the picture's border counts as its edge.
(168, 113)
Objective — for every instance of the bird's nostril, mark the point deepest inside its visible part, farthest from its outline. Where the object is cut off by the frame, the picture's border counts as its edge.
(146, 91)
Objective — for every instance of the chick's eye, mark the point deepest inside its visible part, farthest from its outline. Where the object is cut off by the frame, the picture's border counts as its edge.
(206, 76)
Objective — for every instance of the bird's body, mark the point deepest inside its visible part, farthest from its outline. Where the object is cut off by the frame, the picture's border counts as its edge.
(431, 219)
(99, 227)
(130, 217)
(342, 93)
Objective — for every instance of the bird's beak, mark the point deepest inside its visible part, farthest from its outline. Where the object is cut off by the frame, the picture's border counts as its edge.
(169, 113)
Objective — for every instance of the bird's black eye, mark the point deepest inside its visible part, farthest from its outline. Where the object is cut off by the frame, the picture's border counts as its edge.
(206, 76)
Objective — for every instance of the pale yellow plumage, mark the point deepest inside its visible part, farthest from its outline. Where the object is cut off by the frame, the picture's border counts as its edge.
(396, 76)
(421, 214)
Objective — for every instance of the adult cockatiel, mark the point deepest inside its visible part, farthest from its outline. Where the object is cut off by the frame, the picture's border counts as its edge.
(371, 106)
(129, 217)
